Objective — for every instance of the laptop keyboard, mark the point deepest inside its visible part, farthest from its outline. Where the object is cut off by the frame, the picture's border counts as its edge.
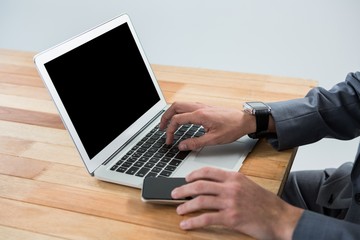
(151, 157)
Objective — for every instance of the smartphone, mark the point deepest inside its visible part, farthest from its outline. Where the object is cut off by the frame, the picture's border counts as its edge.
(158, 190)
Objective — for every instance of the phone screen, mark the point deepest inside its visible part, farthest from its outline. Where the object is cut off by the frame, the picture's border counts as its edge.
(158, 189)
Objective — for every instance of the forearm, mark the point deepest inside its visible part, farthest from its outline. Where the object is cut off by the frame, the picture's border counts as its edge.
(320, 114)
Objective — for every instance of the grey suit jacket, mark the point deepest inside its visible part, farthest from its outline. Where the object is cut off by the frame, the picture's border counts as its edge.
(333, 113)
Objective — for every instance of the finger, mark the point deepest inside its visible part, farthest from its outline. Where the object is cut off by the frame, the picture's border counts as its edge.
(176, 121)
(165, 118)
(175, 108)
(200, 187)
(210, 173)
(202, 202)
(193, 143)
(203, 220)
(184, 118)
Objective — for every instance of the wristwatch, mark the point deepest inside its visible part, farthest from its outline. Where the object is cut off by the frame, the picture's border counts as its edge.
(262, 112)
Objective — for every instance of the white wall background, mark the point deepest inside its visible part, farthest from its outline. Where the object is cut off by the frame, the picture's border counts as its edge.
(313, 39)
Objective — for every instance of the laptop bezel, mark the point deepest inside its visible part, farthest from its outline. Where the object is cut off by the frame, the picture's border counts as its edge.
(42, 58)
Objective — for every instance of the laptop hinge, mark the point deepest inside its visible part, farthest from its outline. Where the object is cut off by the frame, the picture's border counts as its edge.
(133, 137)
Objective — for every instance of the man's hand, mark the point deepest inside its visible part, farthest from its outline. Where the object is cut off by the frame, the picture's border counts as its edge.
(222, 125)
(236, 202)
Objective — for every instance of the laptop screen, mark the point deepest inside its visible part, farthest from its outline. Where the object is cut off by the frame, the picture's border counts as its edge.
(104, 85)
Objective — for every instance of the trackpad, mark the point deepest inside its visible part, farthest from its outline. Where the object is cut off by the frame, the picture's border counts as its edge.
(225, 156)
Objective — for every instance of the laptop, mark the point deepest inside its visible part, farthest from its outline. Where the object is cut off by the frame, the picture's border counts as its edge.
(111, 103)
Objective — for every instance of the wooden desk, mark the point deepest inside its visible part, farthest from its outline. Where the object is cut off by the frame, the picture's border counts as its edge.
(46, 192)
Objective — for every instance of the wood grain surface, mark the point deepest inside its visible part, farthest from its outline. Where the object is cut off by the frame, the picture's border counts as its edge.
(45, 190)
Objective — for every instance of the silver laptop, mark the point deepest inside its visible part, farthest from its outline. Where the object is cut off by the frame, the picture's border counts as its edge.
(110, 102)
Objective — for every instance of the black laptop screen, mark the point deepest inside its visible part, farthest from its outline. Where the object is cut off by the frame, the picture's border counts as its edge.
(104, 85)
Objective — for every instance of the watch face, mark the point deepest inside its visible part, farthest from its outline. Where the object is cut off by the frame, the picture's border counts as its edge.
(258, 105)
(253, 107)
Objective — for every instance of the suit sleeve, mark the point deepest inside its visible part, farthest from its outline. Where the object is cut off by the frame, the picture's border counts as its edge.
(317, 226)
(333, 113)
(321, 113)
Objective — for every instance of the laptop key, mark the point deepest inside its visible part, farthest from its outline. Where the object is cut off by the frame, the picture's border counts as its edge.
(170, 168)
(165, 173)
(182, 155)
(143, 171)
(121, 169)
(138, 164)
(156, 169)
(132, 170)
(149, 165)
(151, 174)
(161, 164)
(175, 162)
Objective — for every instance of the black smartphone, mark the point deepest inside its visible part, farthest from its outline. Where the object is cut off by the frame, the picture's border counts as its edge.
(158, 190)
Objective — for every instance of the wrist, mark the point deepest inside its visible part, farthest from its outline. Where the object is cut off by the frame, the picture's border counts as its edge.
(285, 226)
(250, 123)
(261, 112)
